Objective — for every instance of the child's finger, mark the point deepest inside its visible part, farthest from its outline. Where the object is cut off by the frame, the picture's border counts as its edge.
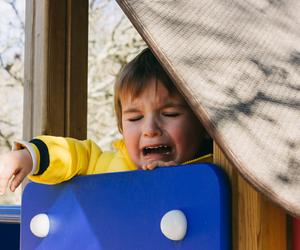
(161, 164)
(17, 180)
(168, 163)
(147, 166)
(154, 165)
(4, 179)
(3, 184)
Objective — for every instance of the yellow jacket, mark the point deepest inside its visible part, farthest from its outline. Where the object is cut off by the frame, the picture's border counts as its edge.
(59, 159)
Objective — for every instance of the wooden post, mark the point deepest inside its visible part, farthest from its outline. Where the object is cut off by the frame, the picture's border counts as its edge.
(257, 224)
(56, 49)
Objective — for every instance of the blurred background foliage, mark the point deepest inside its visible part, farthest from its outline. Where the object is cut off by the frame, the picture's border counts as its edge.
(112, 43)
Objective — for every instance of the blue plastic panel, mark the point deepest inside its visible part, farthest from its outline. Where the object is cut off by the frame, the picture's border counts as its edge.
(10, 236)
(10, 227)
(122, 211)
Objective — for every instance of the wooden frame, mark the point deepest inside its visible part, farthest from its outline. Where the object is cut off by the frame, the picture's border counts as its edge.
(56, 50)
(257, 223)
(56, 104)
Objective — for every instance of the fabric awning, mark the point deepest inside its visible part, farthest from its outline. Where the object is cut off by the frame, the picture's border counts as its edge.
(238, 65)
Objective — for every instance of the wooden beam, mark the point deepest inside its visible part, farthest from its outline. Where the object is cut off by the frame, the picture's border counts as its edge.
(257, 223)
(56, 50)
(77, 68)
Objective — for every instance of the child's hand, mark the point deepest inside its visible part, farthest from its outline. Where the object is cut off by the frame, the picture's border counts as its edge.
(14, 166)
(154, 164)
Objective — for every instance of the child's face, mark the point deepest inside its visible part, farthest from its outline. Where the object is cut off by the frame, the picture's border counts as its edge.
(158, 125)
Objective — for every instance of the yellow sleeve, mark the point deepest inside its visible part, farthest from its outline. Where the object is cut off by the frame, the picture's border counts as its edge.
(59, 158)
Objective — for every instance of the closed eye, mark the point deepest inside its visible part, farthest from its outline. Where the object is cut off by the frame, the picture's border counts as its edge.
(171, 114)
(136, 118)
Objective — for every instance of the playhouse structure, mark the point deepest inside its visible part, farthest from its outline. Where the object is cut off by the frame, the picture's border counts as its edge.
(238, 65)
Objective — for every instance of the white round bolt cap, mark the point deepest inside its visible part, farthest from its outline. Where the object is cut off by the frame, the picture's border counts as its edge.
(40, 225)
(174, 225)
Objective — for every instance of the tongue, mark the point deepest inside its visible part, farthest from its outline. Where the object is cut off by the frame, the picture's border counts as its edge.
(158, 150)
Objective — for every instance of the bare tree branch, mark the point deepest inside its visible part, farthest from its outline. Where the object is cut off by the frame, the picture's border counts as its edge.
(17, 13)
(8, 68)
(6, 139)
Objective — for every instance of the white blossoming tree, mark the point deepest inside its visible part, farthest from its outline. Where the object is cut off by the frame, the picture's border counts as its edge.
(112, 43)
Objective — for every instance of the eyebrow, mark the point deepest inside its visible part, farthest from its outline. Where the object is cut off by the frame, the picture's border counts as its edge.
(131, 110)
(172, 104)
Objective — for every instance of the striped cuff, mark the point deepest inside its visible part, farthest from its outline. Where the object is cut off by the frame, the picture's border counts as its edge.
(43, 153)
(17, 145)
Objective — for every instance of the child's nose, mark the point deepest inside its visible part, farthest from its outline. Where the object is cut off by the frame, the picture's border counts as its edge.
(152, 128)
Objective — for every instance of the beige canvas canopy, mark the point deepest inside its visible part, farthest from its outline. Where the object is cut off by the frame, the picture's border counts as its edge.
(238, 65)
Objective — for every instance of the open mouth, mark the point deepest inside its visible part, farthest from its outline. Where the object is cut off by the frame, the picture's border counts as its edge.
(161, 149)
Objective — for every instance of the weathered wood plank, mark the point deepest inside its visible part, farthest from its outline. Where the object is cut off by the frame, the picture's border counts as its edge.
(257, 223)
(55, 100)
(77, 68)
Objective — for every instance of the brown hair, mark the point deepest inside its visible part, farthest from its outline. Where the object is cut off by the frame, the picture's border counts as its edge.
(134, 78)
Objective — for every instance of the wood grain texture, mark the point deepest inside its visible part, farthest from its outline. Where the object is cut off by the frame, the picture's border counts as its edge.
(257, 223)
(55, 72)
(77, 68)
(55, 100)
